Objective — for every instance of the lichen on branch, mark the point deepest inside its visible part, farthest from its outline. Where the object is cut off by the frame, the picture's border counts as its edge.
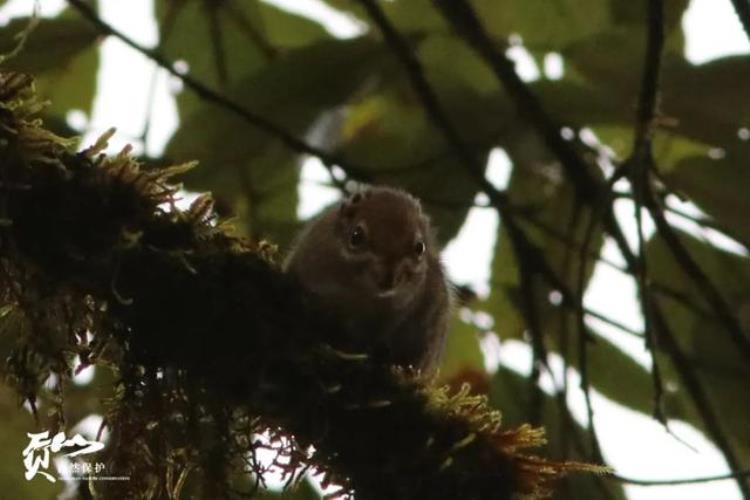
(211, 345)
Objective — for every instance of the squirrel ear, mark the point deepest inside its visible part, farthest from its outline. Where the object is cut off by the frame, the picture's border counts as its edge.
(349, 206)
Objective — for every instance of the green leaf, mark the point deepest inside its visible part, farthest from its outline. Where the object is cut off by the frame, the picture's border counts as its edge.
(409, 17)
(578, 105)
(462, 350)
(635, 16)
(415, 16)
(592, 58)
(719, 187)
(62, 54)
(719, 365)
(285, 30)
(390, 134)
(242, 163)
(706, 100)
(636, 13)
(246, 35)
(49, 46)
(447, 59)
(702, 103)
(543, 25)
(608, 366)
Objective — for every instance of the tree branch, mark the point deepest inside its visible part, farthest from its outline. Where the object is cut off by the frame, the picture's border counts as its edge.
(239, 346)
(677, 482)
(638, 167)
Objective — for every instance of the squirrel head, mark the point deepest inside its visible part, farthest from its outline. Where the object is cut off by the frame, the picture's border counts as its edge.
(386, 243)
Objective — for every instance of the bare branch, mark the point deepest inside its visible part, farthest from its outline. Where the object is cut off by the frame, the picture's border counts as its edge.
(216, 35)
(638, 168)
(677, 482)
(612, 322)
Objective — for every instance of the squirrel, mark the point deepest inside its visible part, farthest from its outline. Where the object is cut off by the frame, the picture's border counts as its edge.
(372, 261)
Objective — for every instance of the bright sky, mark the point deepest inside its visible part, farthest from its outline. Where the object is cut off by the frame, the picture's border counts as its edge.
(633, 443)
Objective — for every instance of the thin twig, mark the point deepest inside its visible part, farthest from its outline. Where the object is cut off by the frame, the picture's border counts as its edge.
(166, 30)
(237, 16)
(576, 303)
(149, 106)
(529, 309)
(585, 384)
(216, 36)
(614, 323)
(639, 165)
(564, 317)
(677, 482)
(684, 299)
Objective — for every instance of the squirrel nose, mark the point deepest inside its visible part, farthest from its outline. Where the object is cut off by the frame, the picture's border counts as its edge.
(391, 278)
(388, 281)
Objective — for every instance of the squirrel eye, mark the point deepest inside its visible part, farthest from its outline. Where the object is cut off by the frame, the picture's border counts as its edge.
(419, 248)
(357, 238)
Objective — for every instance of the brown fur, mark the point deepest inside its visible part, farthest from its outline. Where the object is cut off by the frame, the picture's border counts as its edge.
(395, 303)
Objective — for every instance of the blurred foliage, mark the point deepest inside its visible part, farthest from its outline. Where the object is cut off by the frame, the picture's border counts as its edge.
(353, 98)
(718, 363)
(64, 56)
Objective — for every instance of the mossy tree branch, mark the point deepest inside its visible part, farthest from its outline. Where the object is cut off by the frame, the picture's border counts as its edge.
(213, 344)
